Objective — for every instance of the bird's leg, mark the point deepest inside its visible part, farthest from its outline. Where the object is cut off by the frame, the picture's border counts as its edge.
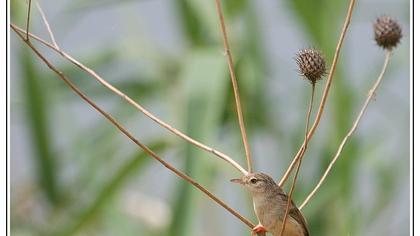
(258, 230)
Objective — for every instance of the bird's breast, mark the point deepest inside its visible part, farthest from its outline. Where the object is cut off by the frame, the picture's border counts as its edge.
(268, 212)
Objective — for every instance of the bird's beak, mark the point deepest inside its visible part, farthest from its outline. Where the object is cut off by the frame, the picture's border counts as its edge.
(237, 181)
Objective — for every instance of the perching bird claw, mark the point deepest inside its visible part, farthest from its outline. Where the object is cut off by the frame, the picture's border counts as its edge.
(259, 229)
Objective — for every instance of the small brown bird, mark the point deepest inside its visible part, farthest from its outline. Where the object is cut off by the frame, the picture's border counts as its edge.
(270, 204)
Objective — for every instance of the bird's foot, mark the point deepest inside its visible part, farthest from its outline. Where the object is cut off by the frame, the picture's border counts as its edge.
(259, 230)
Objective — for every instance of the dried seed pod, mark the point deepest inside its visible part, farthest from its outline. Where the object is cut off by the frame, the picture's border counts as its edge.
(387, 32)
(311, 64)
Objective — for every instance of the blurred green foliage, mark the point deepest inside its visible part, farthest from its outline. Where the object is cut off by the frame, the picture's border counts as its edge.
(197, 89)
(37, 108)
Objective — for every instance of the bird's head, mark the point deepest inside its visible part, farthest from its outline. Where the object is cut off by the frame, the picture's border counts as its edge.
(256, 182)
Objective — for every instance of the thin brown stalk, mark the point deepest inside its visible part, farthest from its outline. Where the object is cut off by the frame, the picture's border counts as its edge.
(28, 16)
(131, 137)
(305, 142)
(47, 25)
(235, 85)
(351, 131)
(325, 93)
(135, 104)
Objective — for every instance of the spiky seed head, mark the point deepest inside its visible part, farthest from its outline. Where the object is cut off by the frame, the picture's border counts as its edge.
(311, 64)
(387, 32)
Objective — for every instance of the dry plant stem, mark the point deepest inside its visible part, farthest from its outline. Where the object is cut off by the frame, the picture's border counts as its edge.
(351, 131)
(289, 200)
(235, 85)
(127, 98)
(47, 25)
(133, 103)
(325, 93)
(130, 136)
(28, 16)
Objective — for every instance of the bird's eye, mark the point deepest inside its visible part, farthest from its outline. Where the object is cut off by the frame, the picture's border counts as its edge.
(253, 180)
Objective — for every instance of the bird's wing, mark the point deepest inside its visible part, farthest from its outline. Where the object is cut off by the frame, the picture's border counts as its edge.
(295, 213)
